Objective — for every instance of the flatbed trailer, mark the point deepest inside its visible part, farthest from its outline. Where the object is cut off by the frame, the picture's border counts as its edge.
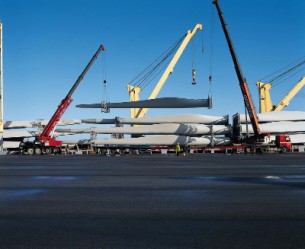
(122, 149)
(228, 149)
(236, 149)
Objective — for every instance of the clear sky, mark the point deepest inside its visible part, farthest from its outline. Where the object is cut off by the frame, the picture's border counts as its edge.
(47, 44)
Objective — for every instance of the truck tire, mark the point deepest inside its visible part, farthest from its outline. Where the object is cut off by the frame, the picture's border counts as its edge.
(30, 151)
(48, 151)
(261, 150)
(37, 151)
(248, 150)
(284, 149)
(55, 151)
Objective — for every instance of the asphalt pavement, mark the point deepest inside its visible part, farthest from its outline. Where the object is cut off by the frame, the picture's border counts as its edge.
(153, 201)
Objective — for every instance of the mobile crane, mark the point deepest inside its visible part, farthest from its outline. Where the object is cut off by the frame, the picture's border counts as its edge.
(283, 142)
(45, 143)
(242, 81)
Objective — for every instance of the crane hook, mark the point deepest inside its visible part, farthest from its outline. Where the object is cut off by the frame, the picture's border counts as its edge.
(194, 77)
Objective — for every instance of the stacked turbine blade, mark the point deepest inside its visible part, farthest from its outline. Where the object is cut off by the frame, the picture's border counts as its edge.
(274, 123)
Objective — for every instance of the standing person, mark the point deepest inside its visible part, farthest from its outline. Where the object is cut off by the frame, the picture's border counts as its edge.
(184, 149)
(177, 149)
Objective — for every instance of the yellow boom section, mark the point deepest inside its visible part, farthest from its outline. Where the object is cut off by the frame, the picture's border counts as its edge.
(265, 103)
(134, 91)
(285, 101)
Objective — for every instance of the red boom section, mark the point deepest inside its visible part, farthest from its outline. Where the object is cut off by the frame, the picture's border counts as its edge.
(45, 135)
(250, 107)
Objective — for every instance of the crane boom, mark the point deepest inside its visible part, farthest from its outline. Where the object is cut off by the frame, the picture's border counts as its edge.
(285, 101)
(170, 68)
(242, 81)
(45, 136)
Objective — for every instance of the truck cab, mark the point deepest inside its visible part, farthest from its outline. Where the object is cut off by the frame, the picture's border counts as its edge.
(283, 142)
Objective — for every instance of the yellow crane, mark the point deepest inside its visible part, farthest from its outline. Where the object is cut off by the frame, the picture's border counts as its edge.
(265, 98)
(134, 91)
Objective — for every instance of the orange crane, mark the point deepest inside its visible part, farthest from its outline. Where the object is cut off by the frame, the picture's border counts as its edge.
(283, 142)
(242, 81)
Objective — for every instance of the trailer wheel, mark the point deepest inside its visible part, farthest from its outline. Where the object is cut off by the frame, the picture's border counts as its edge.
(30, 151)
(37, 151)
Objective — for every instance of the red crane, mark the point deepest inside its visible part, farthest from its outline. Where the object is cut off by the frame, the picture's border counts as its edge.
(45, 143)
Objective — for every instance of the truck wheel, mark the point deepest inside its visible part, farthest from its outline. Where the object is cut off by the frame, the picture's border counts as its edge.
(284, 149)
(55, 151)
(48, 151)
(30, 151)
(261, 150)
(38, 151)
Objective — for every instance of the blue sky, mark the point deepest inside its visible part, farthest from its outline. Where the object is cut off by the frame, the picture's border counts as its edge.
(47, 44)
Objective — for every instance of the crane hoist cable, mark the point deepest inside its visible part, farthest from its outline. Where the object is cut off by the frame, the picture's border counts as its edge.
(157, 73)
(149, 73)
(163, 59)
(202, 46)
(194, 58)
(285, 72)
(288, 73)
(211, 60)
(290, 65)
(193, 63)
(105, 96)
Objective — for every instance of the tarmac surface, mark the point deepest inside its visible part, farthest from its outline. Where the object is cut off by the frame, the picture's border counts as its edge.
(153, 201)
